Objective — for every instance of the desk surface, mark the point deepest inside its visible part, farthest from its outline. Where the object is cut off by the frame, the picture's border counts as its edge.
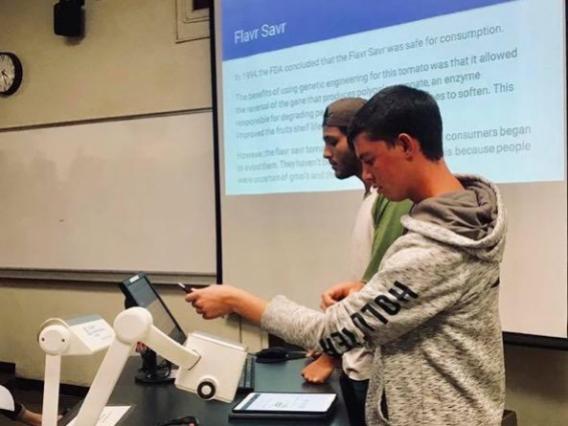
(155, 404)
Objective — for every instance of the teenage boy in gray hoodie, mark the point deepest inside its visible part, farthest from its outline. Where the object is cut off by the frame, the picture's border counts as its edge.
(432, 307)
(377, 225)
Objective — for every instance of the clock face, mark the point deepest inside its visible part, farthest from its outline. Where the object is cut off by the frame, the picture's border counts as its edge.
(10, 73)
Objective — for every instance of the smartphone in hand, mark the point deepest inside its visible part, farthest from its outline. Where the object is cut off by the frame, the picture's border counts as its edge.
(185, 287)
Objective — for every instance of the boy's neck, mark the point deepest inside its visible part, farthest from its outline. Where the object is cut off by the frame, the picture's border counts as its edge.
(435, 180)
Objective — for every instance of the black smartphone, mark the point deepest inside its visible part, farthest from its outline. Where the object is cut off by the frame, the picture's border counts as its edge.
(185, 287)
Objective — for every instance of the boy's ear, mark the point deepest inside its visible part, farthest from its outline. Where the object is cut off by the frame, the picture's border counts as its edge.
(408, 144)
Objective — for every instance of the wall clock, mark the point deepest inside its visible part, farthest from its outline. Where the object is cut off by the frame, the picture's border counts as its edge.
(11, 73)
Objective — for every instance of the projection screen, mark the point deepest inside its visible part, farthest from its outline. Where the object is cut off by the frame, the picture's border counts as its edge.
(498, 71)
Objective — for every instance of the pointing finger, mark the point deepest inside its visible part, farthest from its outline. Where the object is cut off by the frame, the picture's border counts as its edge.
(192, 296)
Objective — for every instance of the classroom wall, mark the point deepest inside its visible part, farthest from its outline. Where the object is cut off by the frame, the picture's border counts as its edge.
(537, 385)
(129, 63)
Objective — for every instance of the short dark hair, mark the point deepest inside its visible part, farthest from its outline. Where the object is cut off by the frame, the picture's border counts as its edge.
(343, 129)
(401, 109)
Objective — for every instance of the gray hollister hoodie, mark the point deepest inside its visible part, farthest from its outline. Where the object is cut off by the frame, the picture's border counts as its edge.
(433, 310)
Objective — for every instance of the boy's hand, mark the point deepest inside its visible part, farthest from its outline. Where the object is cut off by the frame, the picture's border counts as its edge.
(318, 371)
(218, 300)
(213, 301)
(313, 353)
(338, 292)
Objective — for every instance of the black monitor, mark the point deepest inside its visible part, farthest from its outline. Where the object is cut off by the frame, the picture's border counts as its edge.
(140, 292)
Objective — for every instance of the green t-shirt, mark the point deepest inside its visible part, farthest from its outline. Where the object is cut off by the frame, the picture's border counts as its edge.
(386, 217)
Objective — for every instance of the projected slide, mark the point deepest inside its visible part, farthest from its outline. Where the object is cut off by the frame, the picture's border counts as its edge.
(495, 66)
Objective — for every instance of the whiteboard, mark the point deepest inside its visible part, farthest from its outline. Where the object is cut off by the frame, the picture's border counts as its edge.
(134, 194)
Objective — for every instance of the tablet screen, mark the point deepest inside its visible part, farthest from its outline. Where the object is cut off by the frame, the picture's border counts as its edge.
(265, 402)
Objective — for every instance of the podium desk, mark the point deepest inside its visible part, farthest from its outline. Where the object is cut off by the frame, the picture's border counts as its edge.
(152, 405)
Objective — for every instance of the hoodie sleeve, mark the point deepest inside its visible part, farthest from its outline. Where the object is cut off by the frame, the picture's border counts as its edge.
(413, 285)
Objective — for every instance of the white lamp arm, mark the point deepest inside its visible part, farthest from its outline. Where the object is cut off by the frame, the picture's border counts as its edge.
(170, 349)
(54, 340)
(51, 390)
(130, 326)
(104, 383)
